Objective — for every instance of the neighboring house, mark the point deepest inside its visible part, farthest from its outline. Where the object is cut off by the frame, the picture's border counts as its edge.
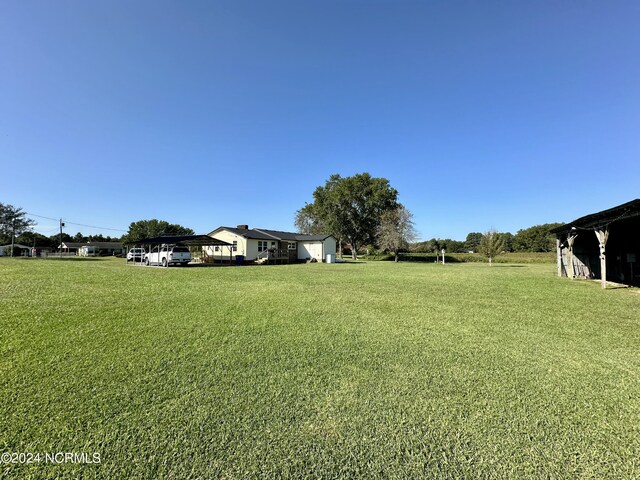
(102, 248)
(106, 248)
(604, 245)
(259, 244)
(70, 247)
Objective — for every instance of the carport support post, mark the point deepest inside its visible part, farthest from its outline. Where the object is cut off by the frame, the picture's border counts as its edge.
(559, 257)
(570, 239)
(603, 236)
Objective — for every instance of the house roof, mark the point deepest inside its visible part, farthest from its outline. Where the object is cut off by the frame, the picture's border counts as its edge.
(278, 234)
(264, 234)
(17, 245)
(312, 238)
(298, 237)
(103, 244)
(246, 233)
(72, 244)
(603, 218)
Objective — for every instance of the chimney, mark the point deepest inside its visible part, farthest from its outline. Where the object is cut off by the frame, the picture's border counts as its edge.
(243, 227)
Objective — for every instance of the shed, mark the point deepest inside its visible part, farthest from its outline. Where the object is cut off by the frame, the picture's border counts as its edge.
(19, 250)
(603, 245)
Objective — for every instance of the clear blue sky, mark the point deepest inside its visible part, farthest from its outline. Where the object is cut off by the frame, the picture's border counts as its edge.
(482, 114)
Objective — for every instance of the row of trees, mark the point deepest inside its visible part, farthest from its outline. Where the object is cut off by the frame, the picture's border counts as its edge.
(533, 239)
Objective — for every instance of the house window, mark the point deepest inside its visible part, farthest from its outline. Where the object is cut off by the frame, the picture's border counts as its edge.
(216, 248)
(292, 246)
(262, 246)
(235, 245)
(273, 244)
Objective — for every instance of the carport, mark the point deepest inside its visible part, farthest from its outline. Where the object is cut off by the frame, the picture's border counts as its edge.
(185, 241)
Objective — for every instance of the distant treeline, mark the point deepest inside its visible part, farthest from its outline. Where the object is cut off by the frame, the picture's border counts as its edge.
(513, 257)
(37, 239)
(533, 239)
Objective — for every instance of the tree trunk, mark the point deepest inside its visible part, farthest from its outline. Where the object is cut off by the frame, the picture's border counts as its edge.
(340, 248)
(490, 263)
(354, 250)
(396, 257)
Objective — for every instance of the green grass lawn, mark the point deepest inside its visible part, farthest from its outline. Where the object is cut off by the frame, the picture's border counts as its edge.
(369, 370)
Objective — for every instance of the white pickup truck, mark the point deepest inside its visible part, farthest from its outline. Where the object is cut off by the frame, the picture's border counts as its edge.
(168, 254)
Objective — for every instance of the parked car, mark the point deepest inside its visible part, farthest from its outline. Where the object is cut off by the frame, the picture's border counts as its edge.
(135, 255)
(168, 254)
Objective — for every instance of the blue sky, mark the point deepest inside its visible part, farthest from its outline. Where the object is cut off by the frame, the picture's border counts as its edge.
(482, 114)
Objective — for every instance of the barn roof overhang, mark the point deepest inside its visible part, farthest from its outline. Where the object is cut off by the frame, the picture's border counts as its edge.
(602, 219)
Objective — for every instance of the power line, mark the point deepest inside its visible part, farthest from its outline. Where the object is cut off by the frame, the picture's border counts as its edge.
(93, 226)
(40, 216)
(77, 224)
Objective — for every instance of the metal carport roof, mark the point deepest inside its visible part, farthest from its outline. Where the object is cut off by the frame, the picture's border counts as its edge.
(188, 240)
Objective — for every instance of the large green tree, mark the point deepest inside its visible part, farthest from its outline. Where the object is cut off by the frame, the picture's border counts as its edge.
(350, 208)
(472, 243)
(152, 228)
(13, 222)
(536, 239)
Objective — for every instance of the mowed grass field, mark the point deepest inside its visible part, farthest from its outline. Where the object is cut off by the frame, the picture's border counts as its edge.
(370, 370)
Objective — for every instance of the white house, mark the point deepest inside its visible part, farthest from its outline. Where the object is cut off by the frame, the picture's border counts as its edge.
(91, 249)
(259, 244)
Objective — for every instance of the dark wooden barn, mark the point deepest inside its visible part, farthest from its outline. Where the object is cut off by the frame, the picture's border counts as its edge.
(604, 245)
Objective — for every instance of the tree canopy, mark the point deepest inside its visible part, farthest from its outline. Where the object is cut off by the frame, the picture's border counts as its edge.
(396, 230)
(350, 208)
(13, 222)
(472, 243)
(307, 222)
(153, 228)
(536, 239)
(491, 245)
(37, 240)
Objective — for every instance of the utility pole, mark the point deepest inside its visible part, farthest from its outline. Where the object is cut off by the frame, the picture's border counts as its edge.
(61, 225)
(13, 235)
